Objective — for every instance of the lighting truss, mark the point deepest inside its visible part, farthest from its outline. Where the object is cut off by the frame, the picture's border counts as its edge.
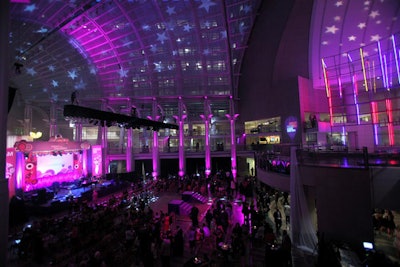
(110, 118)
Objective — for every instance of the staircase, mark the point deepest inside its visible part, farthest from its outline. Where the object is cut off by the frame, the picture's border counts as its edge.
(199, 198)
(184, 208)
(189, 196)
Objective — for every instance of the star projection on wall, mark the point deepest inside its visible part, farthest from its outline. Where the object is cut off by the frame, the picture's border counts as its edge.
(343, 27)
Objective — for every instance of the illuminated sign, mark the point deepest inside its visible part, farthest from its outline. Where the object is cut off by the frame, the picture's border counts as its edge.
(291, 124)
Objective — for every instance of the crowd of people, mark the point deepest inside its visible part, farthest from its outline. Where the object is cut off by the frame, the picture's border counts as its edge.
(143, 237)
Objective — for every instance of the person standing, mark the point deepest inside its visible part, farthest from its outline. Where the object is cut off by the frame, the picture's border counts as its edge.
(178, 242)
(194, 216)
(286, 248)
(165, 251)
(278, 220)
(287, 215)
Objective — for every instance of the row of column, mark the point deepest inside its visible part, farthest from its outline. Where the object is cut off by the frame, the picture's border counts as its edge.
(180, 119)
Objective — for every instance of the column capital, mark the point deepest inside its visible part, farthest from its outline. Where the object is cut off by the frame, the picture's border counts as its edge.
(232, 117)
(206, 117)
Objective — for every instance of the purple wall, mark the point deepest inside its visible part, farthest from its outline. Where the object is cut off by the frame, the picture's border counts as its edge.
(277, 54)
(343, 201)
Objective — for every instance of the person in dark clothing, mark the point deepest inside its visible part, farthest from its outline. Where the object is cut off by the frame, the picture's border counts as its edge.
(278, 220)
(194, 216)
(74, 98)
(179, 244)
(286, 249)
(209, 217)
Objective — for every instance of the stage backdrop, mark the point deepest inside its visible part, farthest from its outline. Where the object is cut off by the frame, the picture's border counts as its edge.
(45, 163)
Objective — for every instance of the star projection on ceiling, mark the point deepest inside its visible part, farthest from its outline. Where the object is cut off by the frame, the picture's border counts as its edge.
(127, 46)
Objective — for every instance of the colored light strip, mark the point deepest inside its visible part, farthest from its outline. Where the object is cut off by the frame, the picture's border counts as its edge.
(381, 61)
(325, 78)
(390, 123)
(376, 134)
(330, 110)
(374, 115)
(343, 135)
(375, 120)
(340, 87)
(386, 73)
(363, 69)
(396, 58)
(374, 75)
(357, 108)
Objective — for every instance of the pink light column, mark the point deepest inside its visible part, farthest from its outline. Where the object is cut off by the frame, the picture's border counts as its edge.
(181, 151)
(155, 155)
(206, 119)
(232, 120)
(154, 151)
(389, 111)
(375, 120)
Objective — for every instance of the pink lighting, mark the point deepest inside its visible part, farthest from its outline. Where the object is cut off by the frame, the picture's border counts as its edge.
(97, 160)
(207, 143)
(181, 163)
(374, 108)
(155, 154)
(390, 122)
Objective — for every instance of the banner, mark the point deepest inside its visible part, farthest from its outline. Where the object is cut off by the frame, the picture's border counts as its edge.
(97, 162)
(11, 160)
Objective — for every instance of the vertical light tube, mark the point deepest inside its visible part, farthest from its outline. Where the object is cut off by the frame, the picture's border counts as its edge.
(155, 155)
(396, 60)
(375, 120)
(382, 65)
(340, 87)
(325, 72)
(386, 73)
(233, 144)
(363, 69)
(207, 144)
(390, 122)
(128, 152)
(328, 92)
(357, 108)
(344, 135)
(181, 163)
(330, 110)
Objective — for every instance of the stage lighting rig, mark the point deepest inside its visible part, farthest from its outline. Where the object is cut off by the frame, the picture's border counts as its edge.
(110, 118)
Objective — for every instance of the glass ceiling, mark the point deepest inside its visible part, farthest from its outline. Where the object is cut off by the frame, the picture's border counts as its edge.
(128, 48)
